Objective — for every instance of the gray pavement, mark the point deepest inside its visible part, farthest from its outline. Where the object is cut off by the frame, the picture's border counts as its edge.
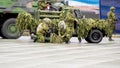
(23, 53)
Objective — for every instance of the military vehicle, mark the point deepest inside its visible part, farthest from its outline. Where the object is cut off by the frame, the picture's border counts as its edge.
(9, 10)
(91, 30)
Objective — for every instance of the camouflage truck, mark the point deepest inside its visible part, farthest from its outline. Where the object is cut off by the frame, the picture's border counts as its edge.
(9, 10)
(92, 30)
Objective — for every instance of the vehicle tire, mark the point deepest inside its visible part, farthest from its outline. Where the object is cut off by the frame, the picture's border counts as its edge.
(1, 33)
(9, 30)
(95, 36)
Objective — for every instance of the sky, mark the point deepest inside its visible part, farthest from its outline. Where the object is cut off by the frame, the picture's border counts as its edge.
(83, 2)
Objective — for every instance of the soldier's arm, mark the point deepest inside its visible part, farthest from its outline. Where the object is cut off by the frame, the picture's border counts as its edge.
(114, 17)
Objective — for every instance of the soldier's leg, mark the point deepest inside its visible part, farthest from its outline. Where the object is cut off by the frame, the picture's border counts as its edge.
(53, 37)
(40, 38)
(67, 38)
(110, 38)
(34, 37)
(112, 30)
(79, 39)
(59, 39)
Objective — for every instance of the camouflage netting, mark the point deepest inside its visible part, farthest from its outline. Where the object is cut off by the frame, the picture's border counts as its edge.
(85, 25)
(54, 38)
(26, 21)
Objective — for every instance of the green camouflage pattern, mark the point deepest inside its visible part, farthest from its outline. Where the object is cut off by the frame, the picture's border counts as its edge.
(43, 29)
(111, 21)
(24, 19)
(85, 25)
(42, 4)
(69, 19)
(60, 33)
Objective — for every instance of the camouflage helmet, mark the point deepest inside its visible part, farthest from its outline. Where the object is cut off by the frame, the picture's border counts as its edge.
(62, 25)
(112, 8)
(47, 20)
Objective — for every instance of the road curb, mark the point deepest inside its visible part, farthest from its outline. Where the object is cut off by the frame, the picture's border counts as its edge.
(116, 36)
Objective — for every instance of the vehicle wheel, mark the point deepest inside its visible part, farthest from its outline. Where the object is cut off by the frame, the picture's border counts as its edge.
(9, 30)
(95, 36)
(1, 33)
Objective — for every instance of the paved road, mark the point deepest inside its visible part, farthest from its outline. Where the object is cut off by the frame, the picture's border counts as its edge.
(23, 53)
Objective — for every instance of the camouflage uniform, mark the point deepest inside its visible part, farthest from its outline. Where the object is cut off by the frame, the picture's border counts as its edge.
(56, 37)
(67, 36)
(69, 20)
(42, 4)
(111, 21)
(64, 32)
(43, 29)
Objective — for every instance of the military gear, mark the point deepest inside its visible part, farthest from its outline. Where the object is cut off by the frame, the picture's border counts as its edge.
(9, 10)
(79, 39)
(53, 37)
(47, 21)
(64, 32)
(112, 8)
(86, 26)
(69, 19)
(61, 25)
(110, 39)
(24, 21)
(42, 30)
(56, 36)
(111, 21)
(68, 34)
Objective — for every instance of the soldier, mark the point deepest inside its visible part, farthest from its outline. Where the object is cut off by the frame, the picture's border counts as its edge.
(64, 32)
(42, 4)
(42, 30)
(111, 21)
(70, 21)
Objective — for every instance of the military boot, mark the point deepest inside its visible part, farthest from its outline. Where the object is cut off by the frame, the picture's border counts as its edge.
(34, 37)
(110, 39)
(79, 40)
